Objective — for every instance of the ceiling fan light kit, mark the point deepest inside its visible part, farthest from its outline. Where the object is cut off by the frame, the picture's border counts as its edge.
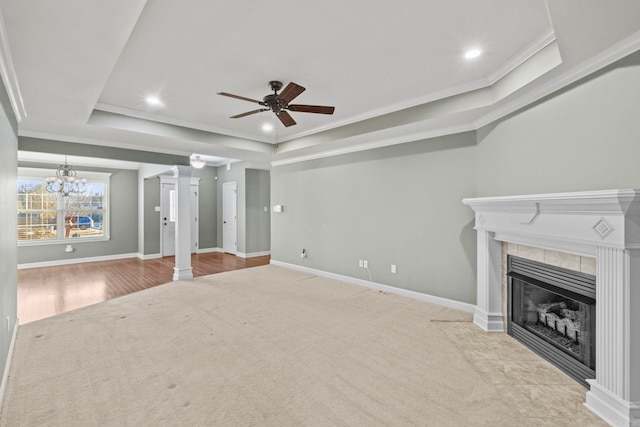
(279, 103)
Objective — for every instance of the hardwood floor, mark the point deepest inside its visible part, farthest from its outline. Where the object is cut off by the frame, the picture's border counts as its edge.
(47, 291)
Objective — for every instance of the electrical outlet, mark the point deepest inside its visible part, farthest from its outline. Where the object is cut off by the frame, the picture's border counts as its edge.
(360, 263)
(393, 268)
(365, 263)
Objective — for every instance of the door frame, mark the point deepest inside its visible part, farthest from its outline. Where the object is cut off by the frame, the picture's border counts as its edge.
(225, 187)
(195, 229)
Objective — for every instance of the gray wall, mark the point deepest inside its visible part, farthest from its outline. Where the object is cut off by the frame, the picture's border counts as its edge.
(208, 213)
(151, 217)
(99, 151)
(123, 210)
(258, 227)
(586, 137)
(394, 205)
(253, 186)
(237, 175)
(402, 204)
(8, 224)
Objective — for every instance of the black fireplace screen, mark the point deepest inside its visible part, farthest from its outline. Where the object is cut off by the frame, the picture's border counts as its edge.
(552, 311)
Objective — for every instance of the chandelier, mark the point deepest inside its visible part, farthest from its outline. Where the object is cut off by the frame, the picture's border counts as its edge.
(66, 181)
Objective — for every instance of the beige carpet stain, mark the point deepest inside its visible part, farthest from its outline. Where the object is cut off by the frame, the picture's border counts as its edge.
(268, 346)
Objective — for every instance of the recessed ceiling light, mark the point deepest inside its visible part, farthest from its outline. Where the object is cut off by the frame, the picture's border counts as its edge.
(473, 53)
(154, 101)
(267, 127)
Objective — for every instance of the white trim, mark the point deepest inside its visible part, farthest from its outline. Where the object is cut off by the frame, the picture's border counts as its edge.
(488, 322)
(384, 141)
(462, 306)
(600, 223)
(149, 256)
(106, 141)
(597, 62)
(171, 179)
(5, 375)
(252, 254)
(523, 56)
(610, 407)
(9, 76)
(33, 173)
(185, 273)
(76, 261)
(605, 58)
(208, 250)
(123, 111)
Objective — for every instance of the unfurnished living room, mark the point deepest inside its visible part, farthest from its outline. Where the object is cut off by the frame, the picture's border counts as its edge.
(326, 213)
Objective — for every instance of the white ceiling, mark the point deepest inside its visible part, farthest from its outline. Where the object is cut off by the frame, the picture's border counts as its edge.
(82, 70)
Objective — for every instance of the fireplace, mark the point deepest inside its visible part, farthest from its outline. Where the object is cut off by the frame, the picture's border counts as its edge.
(602, 225)
(551, 310)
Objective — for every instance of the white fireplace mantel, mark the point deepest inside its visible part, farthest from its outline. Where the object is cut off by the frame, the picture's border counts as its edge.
(600, 224)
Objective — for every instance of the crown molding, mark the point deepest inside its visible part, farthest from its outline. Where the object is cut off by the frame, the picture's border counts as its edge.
(379, 143)
(522, 56)
(607, 57)
(108, 108)
(614, 53)
(9, 76)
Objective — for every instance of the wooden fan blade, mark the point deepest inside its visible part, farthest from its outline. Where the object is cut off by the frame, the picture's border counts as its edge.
(230, 95)
(248, 113)
(319, 109)
(286, 118)
(290, 92)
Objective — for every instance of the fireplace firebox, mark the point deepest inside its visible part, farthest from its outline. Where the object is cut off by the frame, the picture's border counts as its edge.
(551, 310)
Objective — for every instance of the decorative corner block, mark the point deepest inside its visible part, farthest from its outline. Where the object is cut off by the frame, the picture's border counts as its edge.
(603, 228)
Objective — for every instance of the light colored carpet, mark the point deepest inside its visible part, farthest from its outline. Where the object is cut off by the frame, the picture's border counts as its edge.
(268, 346)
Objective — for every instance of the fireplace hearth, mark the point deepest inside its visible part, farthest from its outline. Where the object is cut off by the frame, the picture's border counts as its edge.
(551, 310)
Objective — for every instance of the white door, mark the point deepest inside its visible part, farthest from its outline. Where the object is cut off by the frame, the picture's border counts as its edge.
(229, 217)
(168, 219)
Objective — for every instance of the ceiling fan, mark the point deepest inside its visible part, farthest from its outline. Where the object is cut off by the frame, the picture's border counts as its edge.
(278, 103)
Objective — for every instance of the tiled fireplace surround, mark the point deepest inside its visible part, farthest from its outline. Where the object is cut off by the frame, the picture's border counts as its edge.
(593, 232)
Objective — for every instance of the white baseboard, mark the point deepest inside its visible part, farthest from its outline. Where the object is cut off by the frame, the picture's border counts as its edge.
(5, 375)
(208, 250)
(76, 260)
(611, 408)
(253, 254)
(149, 256)
(462, 306)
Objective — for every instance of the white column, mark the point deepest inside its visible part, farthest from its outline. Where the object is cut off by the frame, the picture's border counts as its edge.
(182, 269)
(615, 393)
(488, 314)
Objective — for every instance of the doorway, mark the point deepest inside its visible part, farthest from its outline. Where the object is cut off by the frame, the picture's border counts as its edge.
(229, 218)
(168, 217)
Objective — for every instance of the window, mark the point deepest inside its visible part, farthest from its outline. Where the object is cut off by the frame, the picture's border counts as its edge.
(45, 217)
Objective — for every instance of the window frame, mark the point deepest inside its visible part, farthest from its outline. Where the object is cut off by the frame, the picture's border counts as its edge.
(42, 174)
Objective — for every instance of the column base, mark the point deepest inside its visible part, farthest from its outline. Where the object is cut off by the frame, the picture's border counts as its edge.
(488, 322)
(611, 408)
(182, 273)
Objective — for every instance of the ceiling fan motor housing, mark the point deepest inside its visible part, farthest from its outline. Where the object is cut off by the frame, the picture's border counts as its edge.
(274, 104)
